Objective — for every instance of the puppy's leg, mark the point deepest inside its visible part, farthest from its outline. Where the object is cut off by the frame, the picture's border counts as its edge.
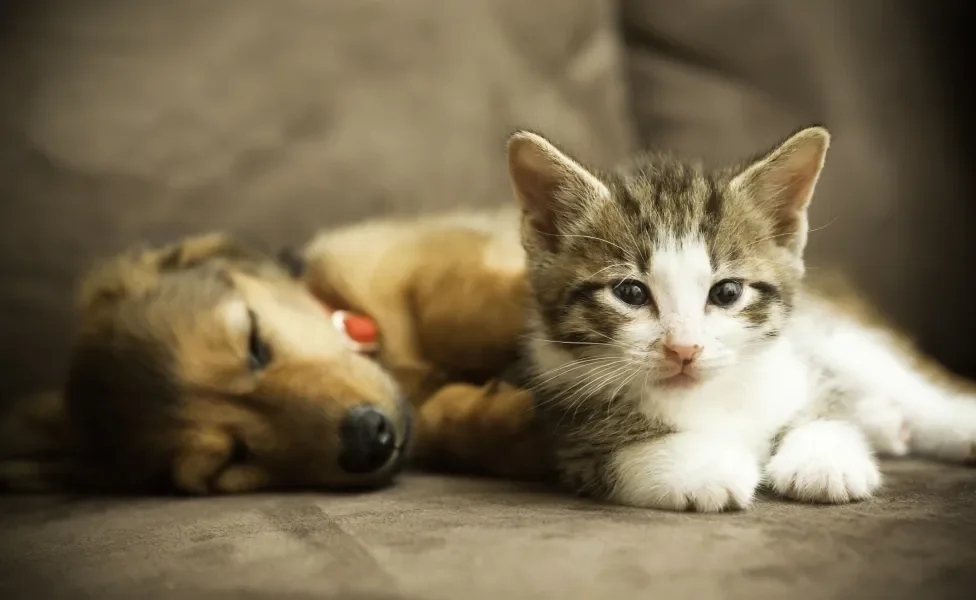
(487, 429)
(468, 307)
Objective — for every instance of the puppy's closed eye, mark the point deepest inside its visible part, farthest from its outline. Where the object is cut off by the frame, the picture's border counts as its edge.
(259, 354)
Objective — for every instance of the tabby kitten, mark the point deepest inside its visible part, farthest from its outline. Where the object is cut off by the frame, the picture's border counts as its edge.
(677, 354)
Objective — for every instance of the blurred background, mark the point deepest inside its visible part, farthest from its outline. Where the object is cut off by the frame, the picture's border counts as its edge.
(143, 120)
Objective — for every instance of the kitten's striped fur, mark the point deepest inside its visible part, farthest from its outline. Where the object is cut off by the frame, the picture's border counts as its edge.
(681, 402)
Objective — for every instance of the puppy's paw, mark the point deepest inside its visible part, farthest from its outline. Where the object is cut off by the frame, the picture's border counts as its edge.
(824, 462)
(684, 472)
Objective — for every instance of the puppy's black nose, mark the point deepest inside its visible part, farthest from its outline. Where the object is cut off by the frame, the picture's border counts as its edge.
(367, 440)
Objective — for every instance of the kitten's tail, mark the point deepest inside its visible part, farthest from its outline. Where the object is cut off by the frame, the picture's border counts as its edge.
(36, 446)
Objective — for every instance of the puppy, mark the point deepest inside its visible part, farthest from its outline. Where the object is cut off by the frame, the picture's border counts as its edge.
(211, 366)
(205, 366)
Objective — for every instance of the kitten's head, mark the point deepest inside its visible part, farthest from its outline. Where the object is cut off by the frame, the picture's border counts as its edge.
(661, 267)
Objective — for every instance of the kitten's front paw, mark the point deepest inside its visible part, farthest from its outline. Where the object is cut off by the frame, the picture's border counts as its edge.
(826, 462)
(685, 472)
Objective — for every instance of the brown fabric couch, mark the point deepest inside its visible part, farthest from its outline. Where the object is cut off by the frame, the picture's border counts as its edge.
(123, 121)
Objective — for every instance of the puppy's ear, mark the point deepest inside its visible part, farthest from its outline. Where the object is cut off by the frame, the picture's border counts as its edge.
(129, 274)
(138, 269)
(293, 261)
(197, 249)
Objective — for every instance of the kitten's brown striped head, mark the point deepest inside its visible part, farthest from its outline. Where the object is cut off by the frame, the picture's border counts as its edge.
(662, 265)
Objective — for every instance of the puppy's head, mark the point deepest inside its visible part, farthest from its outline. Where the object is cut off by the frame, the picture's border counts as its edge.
(208, 367)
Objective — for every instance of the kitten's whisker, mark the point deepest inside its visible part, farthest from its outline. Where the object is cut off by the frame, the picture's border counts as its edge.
(607, 268)
(595, 385)
(565, 370)
(595, 371)
(622, 384)
(630, 232)
(779, 235)
(732, 265)
(613, 396)
(601, 380)
(613, 342)
(587, 379)
(824, 226)
(570, 343)
(589, 237)
(574, 366)
(647, 373)
(568, 368)
(582, 382)
(617, 342)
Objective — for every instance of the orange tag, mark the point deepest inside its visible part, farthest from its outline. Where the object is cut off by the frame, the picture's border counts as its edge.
(360, 330)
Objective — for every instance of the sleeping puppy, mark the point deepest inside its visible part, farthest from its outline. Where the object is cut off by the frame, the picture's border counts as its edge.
(206, 367)
(210, 366)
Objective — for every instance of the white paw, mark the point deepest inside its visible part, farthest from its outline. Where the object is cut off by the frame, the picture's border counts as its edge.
(884, 424)
(686, 472)
(824, 461)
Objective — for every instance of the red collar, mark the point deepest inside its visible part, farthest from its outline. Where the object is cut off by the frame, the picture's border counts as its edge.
(358, 331)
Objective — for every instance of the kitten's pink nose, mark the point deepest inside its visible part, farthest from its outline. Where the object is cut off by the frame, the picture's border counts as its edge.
(682, 353)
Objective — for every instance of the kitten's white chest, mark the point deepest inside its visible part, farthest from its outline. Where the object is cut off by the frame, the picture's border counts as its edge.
(749, 403)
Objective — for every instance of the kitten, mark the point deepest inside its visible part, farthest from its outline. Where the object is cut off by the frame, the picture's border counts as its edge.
(680, 358)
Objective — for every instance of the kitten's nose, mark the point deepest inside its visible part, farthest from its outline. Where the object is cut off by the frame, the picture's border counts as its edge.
(682, 353)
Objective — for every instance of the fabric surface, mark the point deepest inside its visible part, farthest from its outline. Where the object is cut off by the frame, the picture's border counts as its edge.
(437, 538)
(125, 121)
(894, 207)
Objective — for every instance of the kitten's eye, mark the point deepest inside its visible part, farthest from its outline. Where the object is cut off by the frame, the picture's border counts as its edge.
(632, 292)
(725, 293)
(258, 351)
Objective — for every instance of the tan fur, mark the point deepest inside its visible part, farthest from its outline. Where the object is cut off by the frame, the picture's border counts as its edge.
(488, 430)
(446, 293)
(442, 289)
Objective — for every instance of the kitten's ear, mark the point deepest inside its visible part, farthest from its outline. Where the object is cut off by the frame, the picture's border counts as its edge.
(550, 185)
(782, 182)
